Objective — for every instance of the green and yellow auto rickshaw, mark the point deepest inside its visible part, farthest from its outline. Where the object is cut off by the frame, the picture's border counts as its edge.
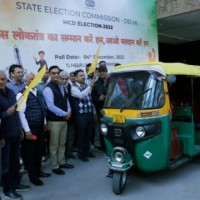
(150, 118)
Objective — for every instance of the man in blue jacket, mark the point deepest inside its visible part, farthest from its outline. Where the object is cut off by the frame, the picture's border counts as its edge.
(12, 133)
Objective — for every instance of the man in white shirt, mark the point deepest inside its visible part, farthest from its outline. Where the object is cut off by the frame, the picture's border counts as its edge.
(32, 116)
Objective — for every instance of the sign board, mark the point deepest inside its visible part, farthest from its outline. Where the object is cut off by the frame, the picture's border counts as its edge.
(69, 32)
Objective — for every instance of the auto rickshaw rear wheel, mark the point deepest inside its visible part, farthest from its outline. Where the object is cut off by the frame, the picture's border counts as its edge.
(119, 182)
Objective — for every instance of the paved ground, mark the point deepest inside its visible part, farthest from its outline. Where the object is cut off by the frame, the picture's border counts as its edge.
(87, 181)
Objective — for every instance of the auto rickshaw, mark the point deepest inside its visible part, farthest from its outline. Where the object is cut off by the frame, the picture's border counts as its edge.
(150, 118)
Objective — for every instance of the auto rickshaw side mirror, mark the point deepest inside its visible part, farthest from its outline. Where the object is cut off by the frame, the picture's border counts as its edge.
(171, 79)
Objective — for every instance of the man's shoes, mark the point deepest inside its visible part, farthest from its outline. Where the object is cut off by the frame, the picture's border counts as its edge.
(13, 195)
(58, 171)
(84, 159)
(91, 155)
(22, 188)
(37, 182)
(67, 166)
(43, 174)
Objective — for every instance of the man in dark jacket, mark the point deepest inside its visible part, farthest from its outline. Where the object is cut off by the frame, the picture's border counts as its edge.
(11, 128)
(99, 94)
(58, 112)
(32, 115)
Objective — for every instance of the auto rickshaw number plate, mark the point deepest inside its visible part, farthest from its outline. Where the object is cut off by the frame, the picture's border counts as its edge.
(119, 119)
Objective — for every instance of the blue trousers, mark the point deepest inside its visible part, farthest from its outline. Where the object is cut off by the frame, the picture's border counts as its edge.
(10, 163)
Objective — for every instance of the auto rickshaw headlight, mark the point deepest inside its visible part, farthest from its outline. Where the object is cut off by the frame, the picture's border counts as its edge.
(119, 154)
(104, 129)
(140, 131)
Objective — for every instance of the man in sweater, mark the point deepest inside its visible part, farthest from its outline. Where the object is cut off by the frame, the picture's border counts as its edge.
(40, 87)
(58, 112)
(32, 116)
(83, 114)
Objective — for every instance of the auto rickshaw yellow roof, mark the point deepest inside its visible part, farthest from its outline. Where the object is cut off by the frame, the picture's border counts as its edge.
(161, 67)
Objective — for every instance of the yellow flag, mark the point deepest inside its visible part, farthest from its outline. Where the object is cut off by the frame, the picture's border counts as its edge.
(94, 64)
(33, 83)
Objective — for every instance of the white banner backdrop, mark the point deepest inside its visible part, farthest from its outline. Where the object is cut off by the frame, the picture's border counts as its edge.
(69, 32)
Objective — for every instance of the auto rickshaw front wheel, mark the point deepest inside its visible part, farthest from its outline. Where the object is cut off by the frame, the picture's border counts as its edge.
(119, 182)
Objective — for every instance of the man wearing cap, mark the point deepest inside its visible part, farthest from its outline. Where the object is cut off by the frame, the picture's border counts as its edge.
(99, 94)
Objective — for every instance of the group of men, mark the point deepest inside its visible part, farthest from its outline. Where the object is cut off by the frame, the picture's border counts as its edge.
(54, 105)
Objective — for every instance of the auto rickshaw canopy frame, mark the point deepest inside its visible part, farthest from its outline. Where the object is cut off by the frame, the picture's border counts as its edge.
(160, 67)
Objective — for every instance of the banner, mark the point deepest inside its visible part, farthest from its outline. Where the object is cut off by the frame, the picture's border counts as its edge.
(68, 32)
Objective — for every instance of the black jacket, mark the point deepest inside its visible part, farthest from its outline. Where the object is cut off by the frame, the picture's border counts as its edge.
(98, 90)
(10, 125)
(59, 101)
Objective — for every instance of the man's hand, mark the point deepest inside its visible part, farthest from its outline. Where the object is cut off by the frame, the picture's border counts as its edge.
(102, 97)
(2, 143)
(11, 111)
(28, 135)
(45, 127)
(22, 135)
(68, 116)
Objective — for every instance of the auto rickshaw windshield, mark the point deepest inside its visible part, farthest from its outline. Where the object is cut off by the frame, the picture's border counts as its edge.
(135, 90)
